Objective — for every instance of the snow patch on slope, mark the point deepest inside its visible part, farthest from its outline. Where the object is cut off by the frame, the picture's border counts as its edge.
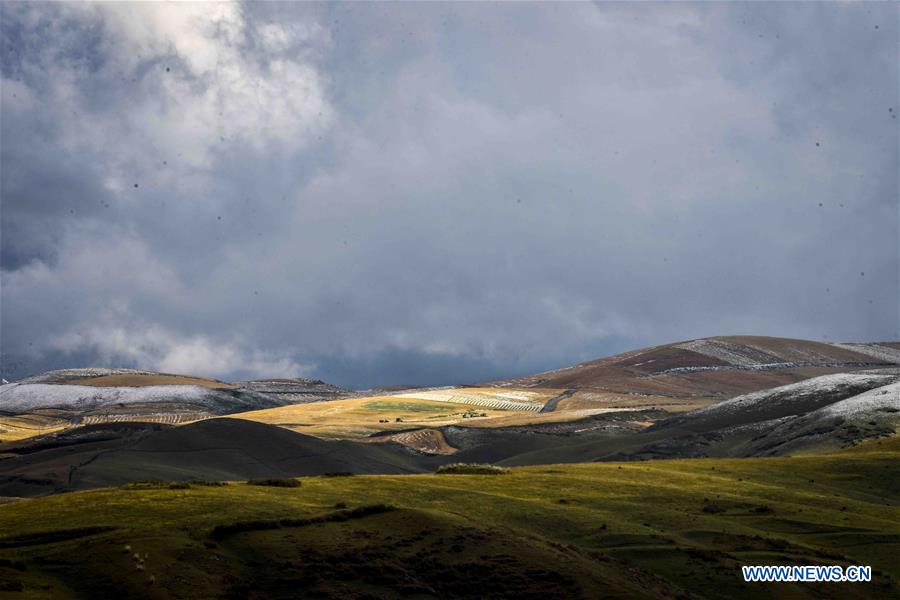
(22, 397)
(70, 374)
(792, 393)
(885, 397)
(883, 353)
(733, 354)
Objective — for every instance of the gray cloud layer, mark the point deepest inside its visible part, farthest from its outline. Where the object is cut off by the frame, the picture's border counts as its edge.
(434, 193)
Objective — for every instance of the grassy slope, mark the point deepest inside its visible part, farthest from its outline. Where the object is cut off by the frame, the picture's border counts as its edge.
(623, 530)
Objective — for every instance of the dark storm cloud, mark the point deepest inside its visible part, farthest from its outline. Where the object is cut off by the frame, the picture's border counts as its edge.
(437, 193)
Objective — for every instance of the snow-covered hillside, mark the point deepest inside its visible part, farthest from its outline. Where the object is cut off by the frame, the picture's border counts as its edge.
(883, 399)
(796, 392)
(74, 374)
(784, 401)
(881, 352)
(23, 397)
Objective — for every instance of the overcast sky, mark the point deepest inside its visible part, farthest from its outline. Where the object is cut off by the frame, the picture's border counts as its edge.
(440, 193)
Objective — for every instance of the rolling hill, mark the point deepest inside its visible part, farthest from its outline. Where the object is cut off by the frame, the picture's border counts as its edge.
(671, 378)
(824, 413)
(712, 368)
(658, 529)
(821, 414)
(622, 393)
(210, 450)
(777, 452)
(784, 401)
(653, 403)
(56, 400)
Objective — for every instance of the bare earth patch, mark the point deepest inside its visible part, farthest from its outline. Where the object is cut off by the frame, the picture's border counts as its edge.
(427, 441)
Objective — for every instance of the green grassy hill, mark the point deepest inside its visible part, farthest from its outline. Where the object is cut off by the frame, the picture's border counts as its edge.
(648, 529)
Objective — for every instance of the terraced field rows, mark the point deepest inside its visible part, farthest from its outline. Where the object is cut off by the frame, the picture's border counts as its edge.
(496, 404)
(26, 426)
(168, 419)
(497, 400)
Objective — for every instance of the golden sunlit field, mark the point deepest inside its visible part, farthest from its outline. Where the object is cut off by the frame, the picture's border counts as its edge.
(360, 417)
(20, 427)
(472, 407)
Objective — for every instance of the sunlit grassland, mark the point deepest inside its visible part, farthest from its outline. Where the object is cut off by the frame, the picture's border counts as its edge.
(20, 427)
(360, 417)
(652, 517)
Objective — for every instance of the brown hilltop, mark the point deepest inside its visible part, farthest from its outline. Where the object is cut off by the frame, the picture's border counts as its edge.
(713, 367)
